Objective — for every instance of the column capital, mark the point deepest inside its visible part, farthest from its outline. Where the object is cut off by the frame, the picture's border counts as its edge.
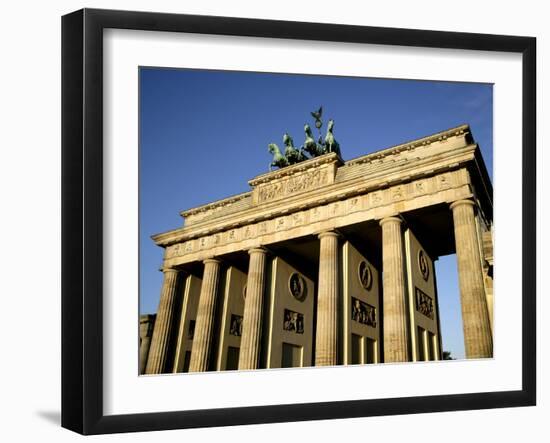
(211, 260)
(257, 249)
(328, 234)
(462, 202)
(390, 219)
(167, 270)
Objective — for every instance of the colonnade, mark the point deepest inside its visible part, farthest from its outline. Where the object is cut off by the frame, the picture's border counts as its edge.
(475, 313)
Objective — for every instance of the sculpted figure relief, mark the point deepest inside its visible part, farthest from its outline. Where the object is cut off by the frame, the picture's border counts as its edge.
(423, 265)
(297, 287)
(236, 325)
(365, 275)
(424, 304)
(291, 185)
(363, 313)
(293, 322)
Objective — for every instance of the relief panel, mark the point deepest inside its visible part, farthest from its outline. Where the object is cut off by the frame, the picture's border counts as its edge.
(290, 315)
(423, 312)
(230, 331)
(361, 299)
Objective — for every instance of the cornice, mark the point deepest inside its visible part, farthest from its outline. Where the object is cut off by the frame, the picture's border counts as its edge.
(218, 203)
(408, 146)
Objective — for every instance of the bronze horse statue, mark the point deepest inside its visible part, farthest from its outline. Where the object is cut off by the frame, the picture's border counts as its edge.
(279, 159)
(292, 154)
(310, 146)
(331, 145)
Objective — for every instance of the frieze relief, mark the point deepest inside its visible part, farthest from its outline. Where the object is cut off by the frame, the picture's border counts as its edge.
(320, 213)
(444, 181)
(236, 325)
(232, 235)
(335, 208)
(172, 251)
(249, 231)
(377, 198)
(216, 239)
(281, 223)
(317, 213)
(398, 193)
(424, 303)
(291, 185)
(354, 204)
(363, 313)
(293, 322)
(420, 187)
(263, 227)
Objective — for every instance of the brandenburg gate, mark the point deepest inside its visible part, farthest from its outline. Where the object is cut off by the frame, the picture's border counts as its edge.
(326, 262)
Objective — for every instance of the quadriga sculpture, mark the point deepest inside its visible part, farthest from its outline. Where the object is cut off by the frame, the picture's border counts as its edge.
(293, 155)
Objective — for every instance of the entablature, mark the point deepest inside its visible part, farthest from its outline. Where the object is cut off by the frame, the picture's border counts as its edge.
(378, 179)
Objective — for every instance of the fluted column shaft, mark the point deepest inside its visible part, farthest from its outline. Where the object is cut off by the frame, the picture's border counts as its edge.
(396, 332)
(164, 323)
(326, 340)
(202, 340)
(478, 339)
(249, 356)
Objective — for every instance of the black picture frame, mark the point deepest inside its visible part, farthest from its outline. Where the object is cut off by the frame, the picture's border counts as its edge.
(82, 218)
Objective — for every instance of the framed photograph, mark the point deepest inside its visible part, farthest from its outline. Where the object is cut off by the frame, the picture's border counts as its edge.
(269, 221)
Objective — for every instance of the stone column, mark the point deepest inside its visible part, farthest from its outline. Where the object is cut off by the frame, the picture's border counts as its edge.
(164, 323)
(146, 328)
(478, 340)
(204, 323)
(249, 355)
(326, 340)
(144, 353)
(395, 321)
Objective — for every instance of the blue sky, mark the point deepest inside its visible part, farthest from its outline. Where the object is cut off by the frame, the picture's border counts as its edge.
(204, 134)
